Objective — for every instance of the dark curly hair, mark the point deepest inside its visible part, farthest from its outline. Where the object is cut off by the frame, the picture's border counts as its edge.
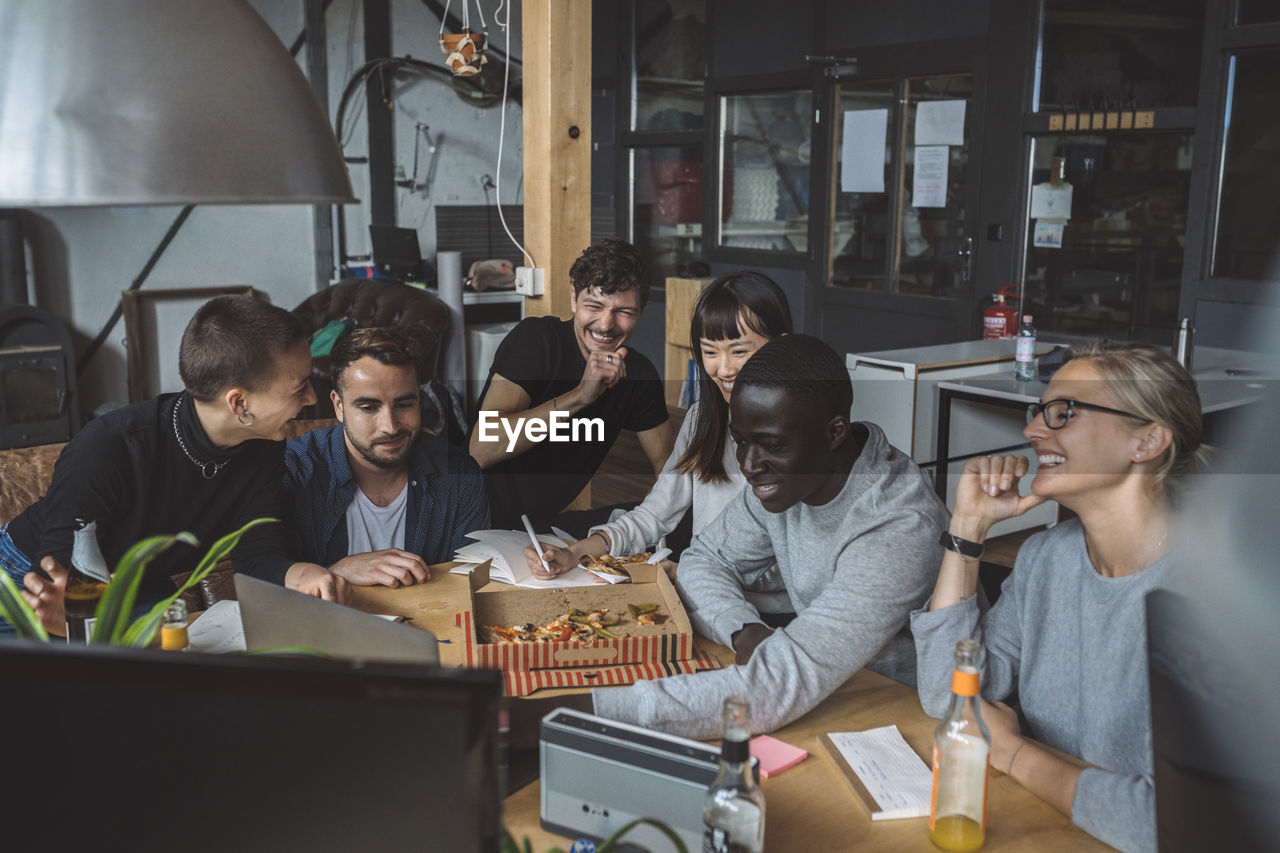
(611, 266)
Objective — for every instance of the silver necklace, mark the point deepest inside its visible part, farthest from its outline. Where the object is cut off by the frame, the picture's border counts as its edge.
(208, 469)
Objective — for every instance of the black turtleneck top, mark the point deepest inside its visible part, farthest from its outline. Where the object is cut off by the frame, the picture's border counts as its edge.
(127, 471)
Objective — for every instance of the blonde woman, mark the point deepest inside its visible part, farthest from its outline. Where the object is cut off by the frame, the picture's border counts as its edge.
(1116, 433)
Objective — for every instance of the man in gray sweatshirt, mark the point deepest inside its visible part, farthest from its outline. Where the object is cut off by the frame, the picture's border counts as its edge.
(853, 526)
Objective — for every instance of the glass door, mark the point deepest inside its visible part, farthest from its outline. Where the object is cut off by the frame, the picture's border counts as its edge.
(899, 221)
(898, 259)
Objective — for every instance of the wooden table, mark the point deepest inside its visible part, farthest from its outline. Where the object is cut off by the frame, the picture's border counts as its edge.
(809, 807)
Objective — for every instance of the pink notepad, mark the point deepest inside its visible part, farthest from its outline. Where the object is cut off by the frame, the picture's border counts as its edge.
(775, 755)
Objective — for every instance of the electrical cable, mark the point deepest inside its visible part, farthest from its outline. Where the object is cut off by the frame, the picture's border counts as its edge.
(502, 133)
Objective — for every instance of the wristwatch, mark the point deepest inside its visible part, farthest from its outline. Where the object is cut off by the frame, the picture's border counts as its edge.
(965, 548)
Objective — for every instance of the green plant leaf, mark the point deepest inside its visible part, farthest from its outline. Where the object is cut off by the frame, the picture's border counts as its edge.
(305, 651)
(17, 612)
(112, 614)
(143, 630)
(611, 843)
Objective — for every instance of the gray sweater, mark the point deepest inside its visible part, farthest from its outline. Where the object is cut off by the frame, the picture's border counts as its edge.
(1072, 643)
(854, 568)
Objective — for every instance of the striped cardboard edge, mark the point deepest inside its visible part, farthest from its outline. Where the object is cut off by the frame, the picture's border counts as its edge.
(533, 656)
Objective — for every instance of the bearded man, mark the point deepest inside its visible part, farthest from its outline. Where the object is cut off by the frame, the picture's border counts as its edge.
(374, 498)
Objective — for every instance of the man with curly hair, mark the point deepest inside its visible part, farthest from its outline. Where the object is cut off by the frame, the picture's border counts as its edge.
(549, 371)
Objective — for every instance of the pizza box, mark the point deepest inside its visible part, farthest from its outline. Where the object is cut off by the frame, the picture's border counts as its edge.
(670, 643)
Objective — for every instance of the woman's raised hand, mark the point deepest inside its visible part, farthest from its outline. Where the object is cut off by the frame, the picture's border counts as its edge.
(988, 492)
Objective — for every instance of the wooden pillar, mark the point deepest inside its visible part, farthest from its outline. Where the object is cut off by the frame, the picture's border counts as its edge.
(557, 143)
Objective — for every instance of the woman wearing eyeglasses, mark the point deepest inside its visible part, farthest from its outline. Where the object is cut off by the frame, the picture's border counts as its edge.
(1116, 433)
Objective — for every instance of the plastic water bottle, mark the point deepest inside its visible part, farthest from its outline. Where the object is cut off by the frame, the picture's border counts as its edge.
(1024, 359)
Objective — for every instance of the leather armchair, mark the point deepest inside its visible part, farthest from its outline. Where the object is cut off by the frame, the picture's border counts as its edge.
(372, 302)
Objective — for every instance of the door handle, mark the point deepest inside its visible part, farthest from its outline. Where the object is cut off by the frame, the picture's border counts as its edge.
(965, 253)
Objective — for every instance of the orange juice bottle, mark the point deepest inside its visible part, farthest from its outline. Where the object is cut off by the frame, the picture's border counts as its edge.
(961, 747)
(173, 628)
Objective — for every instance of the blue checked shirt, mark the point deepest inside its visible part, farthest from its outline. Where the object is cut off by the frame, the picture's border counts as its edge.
(446, 497)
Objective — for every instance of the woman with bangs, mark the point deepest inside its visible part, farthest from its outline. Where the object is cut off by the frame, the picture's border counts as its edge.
(735, 315)
(1117, 433)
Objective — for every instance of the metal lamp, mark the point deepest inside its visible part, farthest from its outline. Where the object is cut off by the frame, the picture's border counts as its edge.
(140, 102)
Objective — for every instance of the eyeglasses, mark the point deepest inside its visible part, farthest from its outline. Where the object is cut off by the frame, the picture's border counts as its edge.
(1058, 413)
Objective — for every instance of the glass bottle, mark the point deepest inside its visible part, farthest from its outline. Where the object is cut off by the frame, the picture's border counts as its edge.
(173, 627)
(961, 747)
(87, 579)
(733, 810)
(1024, 358)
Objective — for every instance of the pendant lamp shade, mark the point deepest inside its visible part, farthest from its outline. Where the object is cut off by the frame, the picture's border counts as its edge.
(137, 102)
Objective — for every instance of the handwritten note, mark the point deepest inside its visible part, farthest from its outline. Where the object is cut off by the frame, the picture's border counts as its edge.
(894, 776)
(218, 630)
(929, 178)
(506, 549)
(862, 151)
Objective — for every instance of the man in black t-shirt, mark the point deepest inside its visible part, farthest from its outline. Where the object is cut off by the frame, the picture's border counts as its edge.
(560, 391)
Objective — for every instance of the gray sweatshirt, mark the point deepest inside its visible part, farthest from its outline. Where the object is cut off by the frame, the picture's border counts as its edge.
(854, 568)
(1073, 645)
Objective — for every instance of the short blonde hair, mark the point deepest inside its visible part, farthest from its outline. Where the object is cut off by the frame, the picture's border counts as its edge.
(1149, 382)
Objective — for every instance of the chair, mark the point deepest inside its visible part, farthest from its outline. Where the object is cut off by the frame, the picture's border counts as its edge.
(372, 302)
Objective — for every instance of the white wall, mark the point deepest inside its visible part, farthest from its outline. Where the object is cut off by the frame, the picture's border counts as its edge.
(81, 259)
(466, 137)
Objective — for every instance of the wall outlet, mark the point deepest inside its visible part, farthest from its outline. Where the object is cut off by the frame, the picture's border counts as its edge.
(530, 281)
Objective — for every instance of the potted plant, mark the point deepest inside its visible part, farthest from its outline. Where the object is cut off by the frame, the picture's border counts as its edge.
(609, 845)
(464, 51)
(112, 625)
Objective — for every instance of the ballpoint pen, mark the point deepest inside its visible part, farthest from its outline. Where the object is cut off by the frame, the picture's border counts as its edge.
(537, 546)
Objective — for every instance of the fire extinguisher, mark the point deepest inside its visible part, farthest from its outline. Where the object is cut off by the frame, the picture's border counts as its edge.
(1000, 320)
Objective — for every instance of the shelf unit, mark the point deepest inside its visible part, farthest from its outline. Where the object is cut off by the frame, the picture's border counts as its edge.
(682, 296)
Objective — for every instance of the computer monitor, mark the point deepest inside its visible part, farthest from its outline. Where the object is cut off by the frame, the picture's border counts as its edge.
(396, 253)
(143, 750)
(1213, 741)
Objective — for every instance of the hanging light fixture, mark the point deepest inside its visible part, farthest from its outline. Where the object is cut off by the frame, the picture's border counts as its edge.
(134, 102)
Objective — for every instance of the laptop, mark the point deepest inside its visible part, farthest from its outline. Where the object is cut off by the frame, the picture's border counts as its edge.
(396, 254)
(274, 616)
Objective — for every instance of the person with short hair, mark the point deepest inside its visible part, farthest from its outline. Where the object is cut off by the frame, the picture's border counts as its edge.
(206, 460)
(374, 497)
(1117, 433)
(853, 525)
(580, 369)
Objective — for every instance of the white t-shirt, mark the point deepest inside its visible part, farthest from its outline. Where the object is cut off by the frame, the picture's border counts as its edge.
(375, 528)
